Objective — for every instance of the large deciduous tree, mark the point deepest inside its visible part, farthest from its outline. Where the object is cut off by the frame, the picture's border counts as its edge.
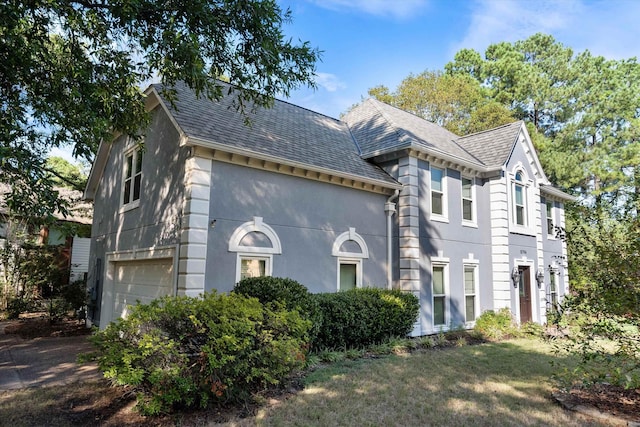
(456, 102)
(70, 72)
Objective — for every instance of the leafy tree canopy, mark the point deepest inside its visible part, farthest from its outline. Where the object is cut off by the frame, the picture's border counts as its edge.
(66, 174)
(456, 102)
(70, 72)
(583, 111)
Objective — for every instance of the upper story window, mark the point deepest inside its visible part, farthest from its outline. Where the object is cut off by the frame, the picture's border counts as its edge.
(438, 193)
(468, 204)
(132, 177)
(550, 220)
(520, 200)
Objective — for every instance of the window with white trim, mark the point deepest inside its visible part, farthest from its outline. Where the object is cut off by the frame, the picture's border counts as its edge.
(519, 200)
(439, 285)
(252, 266)
(132, 178)
(551, 234)
(470, 292)
(468, 205)
(553, 290)
(255, 244)
(350, 249)
(438, 192)
(349, 274)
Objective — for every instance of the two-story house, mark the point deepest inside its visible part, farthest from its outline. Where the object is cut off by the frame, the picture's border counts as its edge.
(380, 198)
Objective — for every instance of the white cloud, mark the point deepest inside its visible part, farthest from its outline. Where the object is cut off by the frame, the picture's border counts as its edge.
(510, 20)
(329, 82)
(395, 8)
(606, 28)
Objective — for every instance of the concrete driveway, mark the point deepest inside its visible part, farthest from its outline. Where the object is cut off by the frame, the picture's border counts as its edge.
(43, 361)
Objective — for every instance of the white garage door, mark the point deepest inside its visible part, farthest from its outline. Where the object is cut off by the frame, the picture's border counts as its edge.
(141, 281)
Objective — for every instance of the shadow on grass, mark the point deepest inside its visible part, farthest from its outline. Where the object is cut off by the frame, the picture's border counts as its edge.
(83, 403)
(490, 384)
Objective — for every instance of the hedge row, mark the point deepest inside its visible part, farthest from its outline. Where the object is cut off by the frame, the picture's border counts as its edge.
(350, 319)
(184, 351)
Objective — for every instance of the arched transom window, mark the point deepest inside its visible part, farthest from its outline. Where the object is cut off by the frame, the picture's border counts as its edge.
(350, 249)
(255, 243)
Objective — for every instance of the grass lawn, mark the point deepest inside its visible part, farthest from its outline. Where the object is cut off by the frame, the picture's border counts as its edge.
(493, 384)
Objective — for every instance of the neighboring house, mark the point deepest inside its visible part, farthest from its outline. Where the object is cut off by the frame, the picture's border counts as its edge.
(382, 198)
(70, 233)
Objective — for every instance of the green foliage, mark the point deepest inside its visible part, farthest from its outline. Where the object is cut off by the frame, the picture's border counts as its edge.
(364, 316)
(532, 329)
(602, 314)
(292, 294)
(65, 174)
(71, 73)
(183, 351)
(496, 325)
(582, 110)
(457, 102)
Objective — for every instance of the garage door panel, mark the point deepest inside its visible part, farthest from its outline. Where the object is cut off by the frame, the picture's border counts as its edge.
(141, 281)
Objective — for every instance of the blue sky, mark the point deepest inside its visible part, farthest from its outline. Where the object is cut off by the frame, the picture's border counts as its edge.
(366, 43)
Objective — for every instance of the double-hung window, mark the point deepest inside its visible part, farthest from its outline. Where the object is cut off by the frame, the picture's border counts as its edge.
(438, 193)
(439, 292)
(553, 290)
(550, 220)
(520, 200)
(468, 215)
(470, 290)
(131, 185)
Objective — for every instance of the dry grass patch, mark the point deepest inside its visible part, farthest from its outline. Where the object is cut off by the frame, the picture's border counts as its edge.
(485, 385)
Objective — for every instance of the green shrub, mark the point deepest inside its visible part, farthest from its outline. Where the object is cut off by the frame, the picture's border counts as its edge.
(184, 351)
(292, 294)
(361, 317)
(18, 305)
(496, 325)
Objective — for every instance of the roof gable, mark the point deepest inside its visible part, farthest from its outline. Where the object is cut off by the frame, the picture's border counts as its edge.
(284, 131)
(493, 147)
(380, 128)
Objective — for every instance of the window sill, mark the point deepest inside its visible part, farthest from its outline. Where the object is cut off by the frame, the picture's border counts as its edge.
(518, 229)
(439, 218)
(130, 206)
(470, 224)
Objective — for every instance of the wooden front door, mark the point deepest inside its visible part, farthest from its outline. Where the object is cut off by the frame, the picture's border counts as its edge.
(524, 288)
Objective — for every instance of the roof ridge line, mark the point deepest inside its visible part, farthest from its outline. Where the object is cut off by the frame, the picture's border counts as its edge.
(490, 130)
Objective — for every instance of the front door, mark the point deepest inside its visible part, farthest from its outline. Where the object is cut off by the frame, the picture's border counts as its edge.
(524, 288)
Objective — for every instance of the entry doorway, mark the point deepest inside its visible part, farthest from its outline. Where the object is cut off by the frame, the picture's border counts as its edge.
(524, 287)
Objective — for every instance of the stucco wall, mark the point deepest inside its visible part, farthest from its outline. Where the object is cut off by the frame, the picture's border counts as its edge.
(156, 222)
(306, 215)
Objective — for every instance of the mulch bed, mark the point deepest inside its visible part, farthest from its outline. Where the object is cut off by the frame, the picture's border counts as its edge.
(608, 399)
(39, 326)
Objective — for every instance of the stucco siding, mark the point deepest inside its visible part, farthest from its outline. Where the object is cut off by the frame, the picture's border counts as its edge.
(307, 217)
(156, 221)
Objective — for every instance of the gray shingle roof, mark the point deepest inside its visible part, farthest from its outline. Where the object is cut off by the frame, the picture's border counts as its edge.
(285, 131)
(379, 127)
(492, 147)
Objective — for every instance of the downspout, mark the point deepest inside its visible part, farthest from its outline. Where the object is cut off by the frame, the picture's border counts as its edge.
(390, 209)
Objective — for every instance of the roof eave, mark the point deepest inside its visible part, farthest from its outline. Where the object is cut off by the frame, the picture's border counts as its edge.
(196, 141)
(446, 157)
(556, 193)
